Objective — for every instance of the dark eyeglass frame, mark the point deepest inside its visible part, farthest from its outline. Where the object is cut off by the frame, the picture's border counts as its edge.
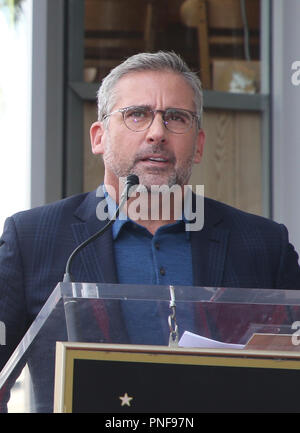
(124, 110)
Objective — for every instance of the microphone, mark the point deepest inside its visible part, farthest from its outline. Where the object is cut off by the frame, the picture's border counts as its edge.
(131, 181)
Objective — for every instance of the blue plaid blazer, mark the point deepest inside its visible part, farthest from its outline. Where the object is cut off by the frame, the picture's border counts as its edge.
(234, 249)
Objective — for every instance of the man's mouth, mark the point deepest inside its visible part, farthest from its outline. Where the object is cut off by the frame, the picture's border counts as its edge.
(155, 159)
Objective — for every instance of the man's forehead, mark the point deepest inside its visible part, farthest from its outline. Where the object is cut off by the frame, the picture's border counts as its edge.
(151, 75)
(143, 87)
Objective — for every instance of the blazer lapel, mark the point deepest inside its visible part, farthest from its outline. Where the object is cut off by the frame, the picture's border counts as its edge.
(209, 247)
(95, 263)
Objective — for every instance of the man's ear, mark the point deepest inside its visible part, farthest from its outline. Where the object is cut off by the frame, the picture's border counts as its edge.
(96, 137)
(200, 140)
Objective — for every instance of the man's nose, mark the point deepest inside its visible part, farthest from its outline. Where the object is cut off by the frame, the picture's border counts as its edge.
(157, 131)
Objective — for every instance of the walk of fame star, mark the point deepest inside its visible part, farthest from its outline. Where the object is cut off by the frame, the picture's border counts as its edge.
(125, 399)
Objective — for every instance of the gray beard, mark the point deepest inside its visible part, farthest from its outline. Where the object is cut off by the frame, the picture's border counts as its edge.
(179, 176)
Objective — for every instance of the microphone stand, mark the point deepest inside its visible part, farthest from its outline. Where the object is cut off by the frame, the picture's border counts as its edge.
(70, 306)
(131, 180)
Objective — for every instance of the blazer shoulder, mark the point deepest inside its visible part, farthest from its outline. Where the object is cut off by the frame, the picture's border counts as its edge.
(60, 213)
(66, 205)
(232, 216)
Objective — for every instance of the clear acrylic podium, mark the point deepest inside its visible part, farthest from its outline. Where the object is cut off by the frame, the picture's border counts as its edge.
(139, 315)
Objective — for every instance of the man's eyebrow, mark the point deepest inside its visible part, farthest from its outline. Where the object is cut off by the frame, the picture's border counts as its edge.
(140, 106)
(153, 108)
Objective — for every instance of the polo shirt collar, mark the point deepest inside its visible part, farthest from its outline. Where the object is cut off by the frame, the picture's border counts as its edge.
(123, 219)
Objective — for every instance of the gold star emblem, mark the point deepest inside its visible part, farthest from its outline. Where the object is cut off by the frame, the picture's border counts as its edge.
(125, 399)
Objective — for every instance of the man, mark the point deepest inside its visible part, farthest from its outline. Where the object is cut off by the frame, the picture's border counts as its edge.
(149, 124)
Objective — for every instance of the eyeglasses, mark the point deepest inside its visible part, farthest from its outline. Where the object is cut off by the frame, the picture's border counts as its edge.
(140, 118)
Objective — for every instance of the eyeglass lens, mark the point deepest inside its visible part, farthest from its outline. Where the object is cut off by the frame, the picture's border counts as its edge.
(140, 118)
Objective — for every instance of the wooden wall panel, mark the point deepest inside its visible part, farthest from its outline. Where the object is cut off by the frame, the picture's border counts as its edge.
(231, 169)
(248, 162)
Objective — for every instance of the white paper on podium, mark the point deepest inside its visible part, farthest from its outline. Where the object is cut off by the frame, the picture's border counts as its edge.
(189, 339)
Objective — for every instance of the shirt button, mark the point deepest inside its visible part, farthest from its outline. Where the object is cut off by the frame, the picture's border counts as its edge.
(162, 271)
(157, 246)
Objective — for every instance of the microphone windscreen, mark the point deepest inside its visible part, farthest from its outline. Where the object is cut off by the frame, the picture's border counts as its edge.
(131, 180)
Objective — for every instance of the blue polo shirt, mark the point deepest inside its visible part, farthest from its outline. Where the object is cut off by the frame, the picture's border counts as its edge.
(142, 258)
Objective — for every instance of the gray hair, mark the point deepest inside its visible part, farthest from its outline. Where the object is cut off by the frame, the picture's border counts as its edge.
(160, 61)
